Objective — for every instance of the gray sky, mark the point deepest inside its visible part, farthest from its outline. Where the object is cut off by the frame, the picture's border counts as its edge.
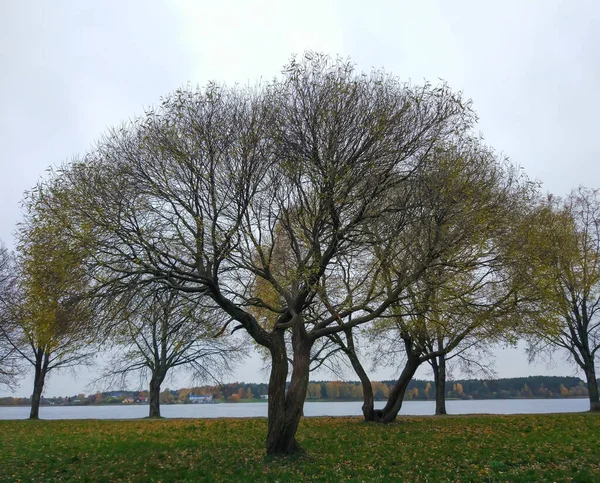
(70, 69)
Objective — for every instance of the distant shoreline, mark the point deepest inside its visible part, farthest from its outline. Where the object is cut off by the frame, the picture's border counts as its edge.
(328, 401)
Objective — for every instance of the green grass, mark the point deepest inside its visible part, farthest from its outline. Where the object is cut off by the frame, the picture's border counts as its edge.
(463, 448)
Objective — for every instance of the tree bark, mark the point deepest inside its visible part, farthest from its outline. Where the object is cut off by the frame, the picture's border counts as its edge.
(368, 407)
(38, 387)
(154, 396)
(394, 403)
(592, 382)
(285, 410)
(41, 368)
(439, 375)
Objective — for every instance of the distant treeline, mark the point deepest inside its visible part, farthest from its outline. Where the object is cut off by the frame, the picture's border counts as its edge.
(511, 388)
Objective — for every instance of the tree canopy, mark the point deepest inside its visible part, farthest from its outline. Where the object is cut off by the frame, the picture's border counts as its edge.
(299, 209)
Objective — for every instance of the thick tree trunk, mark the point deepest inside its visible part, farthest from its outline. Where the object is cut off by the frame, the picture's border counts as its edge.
(285, 410)
(41, 368)
(439, 375)
(154, 396)
(592, 382)
(394, 403)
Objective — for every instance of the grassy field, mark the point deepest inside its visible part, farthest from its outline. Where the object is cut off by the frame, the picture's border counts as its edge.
(462, 448)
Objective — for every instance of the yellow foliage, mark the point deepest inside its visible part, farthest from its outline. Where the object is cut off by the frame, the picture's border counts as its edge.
(53, 279)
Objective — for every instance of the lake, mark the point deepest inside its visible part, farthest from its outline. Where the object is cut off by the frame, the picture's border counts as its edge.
(246, 410)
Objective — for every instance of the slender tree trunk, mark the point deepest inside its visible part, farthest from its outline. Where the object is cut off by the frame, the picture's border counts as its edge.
(154, 396)
(394, 403)
(439, 375)
(38, 387)
(285, 410)
(41, 368)
(592, 382)
(368, 407)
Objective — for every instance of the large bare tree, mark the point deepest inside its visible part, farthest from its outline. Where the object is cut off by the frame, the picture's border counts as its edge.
(192, 195)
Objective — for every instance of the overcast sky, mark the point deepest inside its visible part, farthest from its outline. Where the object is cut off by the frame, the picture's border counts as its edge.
(71, 69)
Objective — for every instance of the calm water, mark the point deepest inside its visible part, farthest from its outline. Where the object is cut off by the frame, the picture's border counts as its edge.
(243, 410)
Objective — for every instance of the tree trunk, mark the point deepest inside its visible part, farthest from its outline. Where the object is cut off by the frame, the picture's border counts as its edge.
(439, 375)
(154, 396)
(38, 387)
(592, 382)
(41, 368)
(368, 407)
(394, 403)
(285, 410)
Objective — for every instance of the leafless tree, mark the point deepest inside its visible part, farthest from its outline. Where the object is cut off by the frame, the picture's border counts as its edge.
(160, 331)
(10, 367)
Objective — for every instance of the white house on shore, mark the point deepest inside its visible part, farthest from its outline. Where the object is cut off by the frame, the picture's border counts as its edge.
(203, 399)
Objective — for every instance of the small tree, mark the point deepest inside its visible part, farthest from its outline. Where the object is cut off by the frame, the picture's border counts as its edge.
(472, 356)
(51, 318)
(160, 331)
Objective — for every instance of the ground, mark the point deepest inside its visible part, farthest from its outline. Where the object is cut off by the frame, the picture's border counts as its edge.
(560, 447)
